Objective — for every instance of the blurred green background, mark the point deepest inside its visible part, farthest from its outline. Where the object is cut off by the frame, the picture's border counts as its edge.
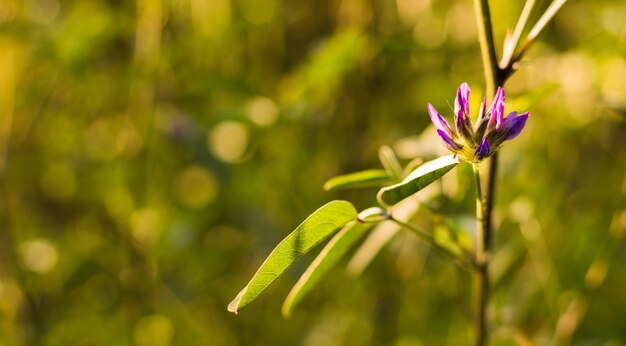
(153, 152)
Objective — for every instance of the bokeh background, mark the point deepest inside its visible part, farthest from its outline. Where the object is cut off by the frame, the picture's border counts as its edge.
(153, 152)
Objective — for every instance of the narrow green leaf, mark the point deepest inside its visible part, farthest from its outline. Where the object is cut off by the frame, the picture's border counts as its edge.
(417, 180)
(332, 252)
(324, 222)
(390, 162)
(368, 178)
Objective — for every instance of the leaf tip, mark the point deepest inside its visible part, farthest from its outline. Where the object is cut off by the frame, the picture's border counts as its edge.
(381, 198)
(232, 307)
(235, 304)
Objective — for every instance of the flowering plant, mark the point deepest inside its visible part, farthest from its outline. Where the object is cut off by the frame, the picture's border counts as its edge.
(471, 142)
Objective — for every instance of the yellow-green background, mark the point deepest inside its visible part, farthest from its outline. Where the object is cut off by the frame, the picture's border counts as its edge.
(153, 152)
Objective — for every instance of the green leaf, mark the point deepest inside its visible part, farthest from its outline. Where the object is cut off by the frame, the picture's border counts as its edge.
(368, 178)
(332, 252)
(417, 180)
(390, 162)
(324, 222)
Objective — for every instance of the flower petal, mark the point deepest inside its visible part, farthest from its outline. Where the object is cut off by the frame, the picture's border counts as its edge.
(496, 111)
(508, 121)
(461, 105)
(481, 111)
(483, 149)
(440, 123)
(447, 140)
(514, 126)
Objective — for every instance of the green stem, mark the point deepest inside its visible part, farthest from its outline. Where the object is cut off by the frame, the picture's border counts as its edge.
(480, 237)
(481, 282)
(487, 45)
(494, 77)
(488, 197)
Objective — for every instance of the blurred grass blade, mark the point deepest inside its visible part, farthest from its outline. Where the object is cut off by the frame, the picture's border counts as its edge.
(318, 226)
(368, 178)
(332, 252)
(423, 176)
(390, 162)
(443, 238)
(377, 239)
(380, 236)
(412, 165)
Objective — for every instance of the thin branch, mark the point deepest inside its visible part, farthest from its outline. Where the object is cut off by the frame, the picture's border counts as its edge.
(511, 42)
(545, 18)
(534, 32)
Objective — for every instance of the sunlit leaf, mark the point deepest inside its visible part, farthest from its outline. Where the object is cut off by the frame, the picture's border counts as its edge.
(368, 178)
(423, 176)
(332, 252)
(324, 222)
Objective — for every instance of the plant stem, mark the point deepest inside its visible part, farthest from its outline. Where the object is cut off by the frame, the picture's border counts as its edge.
(481, 282)
(487, 45)
(480, 237)
(493, 78)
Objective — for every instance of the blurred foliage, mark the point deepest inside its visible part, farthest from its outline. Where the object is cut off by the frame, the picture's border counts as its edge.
(153, 152)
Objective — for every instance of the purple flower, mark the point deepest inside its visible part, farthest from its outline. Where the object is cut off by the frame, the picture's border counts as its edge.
(475, 142)
(497, 109)
(482, 150)
(440, 123)
(463, 121)
(513, 125)
(447, 140)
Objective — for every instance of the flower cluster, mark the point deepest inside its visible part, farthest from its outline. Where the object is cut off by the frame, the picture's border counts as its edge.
(471, 142)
